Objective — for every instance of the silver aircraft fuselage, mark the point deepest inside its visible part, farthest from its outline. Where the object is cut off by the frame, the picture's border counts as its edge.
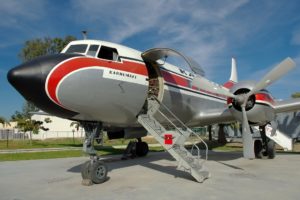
(93, 80)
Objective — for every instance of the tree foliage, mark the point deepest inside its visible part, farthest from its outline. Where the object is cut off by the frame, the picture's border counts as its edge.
(4, 121)
(296, 95)
(26, 113)
(43, 46)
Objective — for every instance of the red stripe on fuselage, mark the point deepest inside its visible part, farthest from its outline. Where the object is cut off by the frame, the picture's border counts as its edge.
(264, 97)
(185, 82)
(175, 79)
(65, 68)
(229, 84)
(259, 96)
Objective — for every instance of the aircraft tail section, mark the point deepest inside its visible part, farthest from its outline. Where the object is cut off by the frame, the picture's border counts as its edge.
(233, 76)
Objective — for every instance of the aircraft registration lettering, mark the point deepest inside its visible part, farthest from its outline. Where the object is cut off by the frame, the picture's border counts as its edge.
(124, 76)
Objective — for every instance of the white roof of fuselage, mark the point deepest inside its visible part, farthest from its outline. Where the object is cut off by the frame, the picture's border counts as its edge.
(122, 50)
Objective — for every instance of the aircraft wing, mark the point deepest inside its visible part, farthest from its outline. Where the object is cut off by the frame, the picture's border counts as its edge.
(289, 105)
(216, 116)
(160, 53)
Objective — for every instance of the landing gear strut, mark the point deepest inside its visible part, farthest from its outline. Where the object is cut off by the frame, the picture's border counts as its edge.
(266, 147)
(94, 170)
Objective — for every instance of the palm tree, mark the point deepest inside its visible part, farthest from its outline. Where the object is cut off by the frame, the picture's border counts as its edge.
(77, 126)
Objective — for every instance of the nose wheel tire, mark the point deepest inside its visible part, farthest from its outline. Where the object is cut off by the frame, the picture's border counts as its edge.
(94, 171)
(99, 172)
(85, 170)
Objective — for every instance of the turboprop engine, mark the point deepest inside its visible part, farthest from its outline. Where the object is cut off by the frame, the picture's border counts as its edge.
(259, 106)
(249, 102)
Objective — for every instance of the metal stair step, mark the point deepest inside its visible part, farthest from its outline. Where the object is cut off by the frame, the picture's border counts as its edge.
(186, 160)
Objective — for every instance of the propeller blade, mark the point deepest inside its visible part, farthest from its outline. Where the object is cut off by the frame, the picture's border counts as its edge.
(209, 86)
(248, 144)
(277, 72)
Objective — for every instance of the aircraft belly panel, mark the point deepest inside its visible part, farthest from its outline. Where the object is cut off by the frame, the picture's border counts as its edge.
(103, 99)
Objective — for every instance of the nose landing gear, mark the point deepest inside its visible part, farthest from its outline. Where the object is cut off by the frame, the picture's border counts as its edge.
(94, 170)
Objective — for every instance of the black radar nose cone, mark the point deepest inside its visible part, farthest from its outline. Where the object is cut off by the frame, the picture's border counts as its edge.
(25, 78)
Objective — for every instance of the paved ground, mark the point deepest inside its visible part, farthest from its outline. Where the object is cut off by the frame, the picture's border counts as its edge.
(4, 151)
(154, 177)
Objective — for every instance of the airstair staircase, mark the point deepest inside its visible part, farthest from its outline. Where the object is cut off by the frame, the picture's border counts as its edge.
(172, 134)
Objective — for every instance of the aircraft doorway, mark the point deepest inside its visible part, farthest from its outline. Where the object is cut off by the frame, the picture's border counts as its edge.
(156, 81)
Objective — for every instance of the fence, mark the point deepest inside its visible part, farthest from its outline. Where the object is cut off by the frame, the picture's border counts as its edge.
(13, 134)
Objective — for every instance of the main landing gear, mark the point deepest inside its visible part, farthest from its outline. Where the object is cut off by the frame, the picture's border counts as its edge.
(94, 170)
(135, 148)
(264, 148)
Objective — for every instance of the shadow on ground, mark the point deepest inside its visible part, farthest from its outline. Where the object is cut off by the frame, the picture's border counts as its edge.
(115, 163)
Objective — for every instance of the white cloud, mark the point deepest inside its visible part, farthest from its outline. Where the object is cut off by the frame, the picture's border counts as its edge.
(197, 28)
(208, 31)
(21, 20)
(13, 12)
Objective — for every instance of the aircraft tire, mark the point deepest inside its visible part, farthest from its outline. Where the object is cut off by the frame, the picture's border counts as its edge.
(85, 170)
(271, 149)
(98, 172)
(258, 149)
(142, 149)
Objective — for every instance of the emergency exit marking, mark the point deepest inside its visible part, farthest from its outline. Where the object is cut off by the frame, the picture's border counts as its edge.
(168, 139)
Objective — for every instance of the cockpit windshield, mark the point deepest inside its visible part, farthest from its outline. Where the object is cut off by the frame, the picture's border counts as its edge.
(94, 50)
(77, 48)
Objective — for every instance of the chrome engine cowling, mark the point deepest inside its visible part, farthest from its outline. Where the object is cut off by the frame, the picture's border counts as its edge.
(259, 106)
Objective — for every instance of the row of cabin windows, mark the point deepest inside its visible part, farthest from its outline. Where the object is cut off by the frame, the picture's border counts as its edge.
(104, 53)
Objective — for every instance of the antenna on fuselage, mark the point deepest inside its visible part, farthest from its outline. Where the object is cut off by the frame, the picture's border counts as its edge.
(84, 34)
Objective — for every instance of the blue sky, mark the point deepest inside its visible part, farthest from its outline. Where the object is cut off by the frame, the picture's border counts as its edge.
(259, 33)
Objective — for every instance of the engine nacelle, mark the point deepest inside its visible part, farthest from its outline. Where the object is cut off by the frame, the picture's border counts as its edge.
(259, 107)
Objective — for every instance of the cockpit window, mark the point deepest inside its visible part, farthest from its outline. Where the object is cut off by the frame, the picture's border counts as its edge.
(78, 48)
(93, 50)
(108, 53)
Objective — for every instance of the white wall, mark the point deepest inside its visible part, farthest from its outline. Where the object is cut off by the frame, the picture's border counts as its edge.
(58, 128)
(11, 126)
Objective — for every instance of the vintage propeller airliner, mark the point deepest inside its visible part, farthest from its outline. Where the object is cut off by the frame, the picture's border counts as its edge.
(128, 93)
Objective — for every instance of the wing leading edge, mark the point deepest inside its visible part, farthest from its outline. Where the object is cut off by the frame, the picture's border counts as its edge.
(289, 105)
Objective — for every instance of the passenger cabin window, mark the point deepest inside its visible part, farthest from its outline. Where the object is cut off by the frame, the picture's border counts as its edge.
(77, 48)
(108, 53)
(93, 50)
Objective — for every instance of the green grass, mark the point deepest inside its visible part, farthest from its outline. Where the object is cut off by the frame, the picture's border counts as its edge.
(57, 143)
(49, 143)
(105, 150)
(39, 155)
(227, 148)
(61, 142)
